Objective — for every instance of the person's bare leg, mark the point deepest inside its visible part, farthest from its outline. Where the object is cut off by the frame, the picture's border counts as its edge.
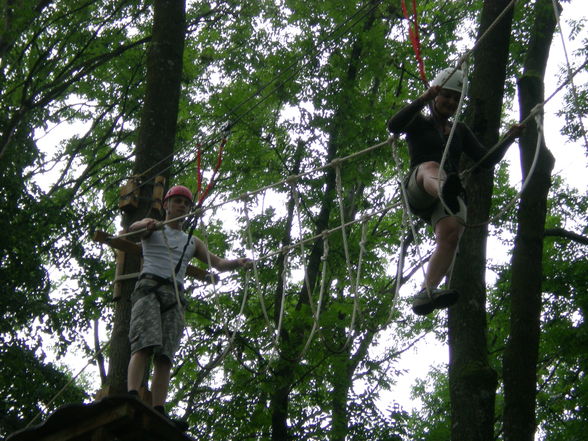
(447, 233)
(160, 382)
(136, 369)
(427, 177)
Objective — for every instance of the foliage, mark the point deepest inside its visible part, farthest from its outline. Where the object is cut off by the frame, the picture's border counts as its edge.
(299, 84)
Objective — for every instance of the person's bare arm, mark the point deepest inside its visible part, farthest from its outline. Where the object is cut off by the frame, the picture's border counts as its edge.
(220, 263)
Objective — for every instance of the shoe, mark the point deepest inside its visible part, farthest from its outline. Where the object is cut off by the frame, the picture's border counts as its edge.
(450, 192)
(423, 304)
(444, 298)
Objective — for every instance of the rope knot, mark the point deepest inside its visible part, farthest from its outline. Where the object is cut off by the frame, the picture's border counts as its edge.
(292, 179)
(336, 162)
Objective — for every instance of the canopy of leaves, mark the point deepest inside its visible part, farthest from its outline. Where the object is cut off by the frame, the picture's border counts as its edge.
(299, 83)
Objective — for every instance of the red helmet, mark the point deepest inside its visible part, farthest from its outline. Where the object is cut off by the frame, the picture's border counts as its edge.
(179, 190)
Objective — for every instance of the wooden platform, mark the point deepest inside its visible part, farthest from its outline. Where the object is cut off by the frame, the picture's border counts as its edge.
(115, 418)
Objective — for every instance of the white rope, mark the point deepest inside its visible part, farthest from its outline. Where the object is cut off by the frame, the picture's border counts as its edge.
(172, 271)
(199, 211)
(466, 173)
(407, 216)
(450, 138)
(316, 314)
(204, 234)
(231, 338)
(314, 310)
(538, 118)
(330, 231)
(275, 336)
(347, 256)
(490, 28)
(216, 296)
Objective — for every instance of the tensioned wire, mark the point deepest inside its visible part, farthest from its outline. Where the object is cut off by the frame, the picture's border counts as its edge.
(213, 137)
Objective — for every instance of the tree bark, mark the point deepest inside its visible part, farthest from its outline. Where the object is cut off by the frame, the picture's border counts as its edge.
(521, 352)
(472, 380)
(154, 151)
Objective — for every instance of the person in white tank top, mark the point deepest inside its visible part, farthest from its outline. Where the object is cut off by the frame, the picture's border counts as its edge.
(158, 241)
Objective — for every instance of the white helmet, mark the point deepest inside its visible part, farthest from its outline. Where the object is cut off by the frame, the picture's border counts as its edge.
(450, 78)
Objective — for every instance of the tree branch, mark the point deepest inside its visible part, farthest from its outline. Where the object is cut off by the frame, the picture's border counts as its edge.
(560, 232)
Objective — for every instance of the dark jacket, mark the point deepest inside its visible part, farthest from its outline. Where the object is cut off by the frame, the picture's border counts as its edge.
(426, 142)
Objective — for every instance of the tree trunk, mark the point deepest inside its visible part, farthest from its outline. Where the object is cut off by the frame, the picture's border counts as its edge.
(342, 381)
(521, 353)
(472, 380)
(153, 155)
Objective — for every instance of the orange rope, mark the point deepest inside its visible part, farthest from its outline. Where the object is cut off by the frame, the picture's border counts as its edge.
(413, 33)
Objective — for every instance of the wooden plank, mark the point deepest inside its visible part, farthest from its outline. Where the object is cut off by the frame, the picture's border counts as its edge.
(115, 418)
(81, 427)
(131, 247)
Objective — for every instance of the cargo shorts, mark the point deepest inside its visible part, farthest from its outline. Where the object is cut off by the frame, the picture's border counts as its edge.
(427, 207)
(156, 318)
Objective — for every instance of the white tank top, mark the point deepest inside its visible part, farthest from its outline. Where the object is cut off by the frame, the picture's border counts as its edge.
(156, 256)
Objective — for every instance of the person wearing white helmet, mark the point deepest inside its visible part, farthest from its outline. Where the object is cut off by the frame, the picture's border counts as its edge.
(158, 304)
(426, 136)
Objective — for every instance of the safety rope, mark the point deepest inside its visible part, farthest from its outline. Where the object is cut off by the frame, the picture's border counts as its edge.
(275, 332)
(234, 326)
(415, 39)
(450, 137)
(315, 311)
(539, 121)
